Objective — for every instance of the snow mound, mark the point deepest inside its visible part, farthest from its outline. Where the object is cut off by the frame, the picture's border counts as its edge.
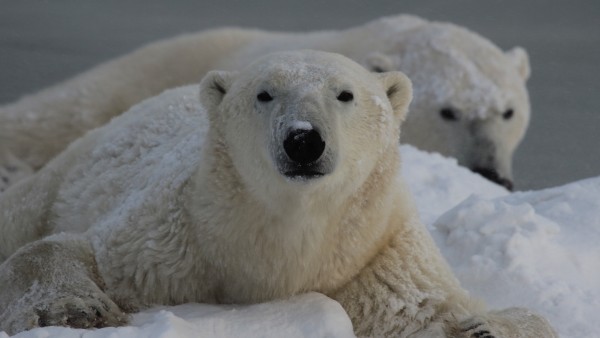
(438, 183)
(535, 249)
(308, 315)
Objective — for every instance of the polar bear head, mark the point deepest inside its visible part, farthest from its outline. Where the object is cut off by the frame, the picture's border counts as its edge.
(305, 120)
(470, 100)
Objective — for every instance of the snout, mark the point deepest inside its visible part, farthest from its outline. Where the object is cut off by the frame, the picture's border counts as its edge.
(492, 175)
(304, 147)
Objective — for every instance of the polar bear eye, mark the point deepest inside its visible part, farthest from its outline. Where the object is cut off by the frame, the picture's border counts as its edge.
(264, 97)
(448, 114)
(345, 96)
(508, 114)
(377, 69)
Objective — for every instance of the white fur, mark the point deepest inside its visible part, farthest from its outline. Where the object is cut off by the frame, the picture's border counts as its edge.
(449, 66)
(173, 202)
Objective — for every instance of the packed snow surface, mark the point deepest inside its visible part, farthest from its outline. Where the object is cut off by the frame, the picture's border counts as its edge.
(537, 249)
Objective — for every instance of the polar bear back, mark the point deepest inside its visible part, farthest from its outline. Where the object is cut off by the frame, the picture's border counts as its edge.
(135, 164)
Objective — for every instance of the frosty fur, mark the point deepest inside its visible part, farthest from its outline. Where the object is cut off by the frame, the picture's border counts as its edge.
(450, 67)
(172, 202)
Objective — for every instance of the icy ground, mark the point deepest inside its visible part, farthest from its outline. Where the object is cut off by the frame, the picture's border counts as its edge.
(538, 249)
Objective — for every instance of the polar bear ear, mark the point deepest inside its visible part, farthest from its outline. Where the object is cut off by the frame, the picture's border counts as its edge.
(398, 89)
(518, 56)
(214, 86)
(378, 63)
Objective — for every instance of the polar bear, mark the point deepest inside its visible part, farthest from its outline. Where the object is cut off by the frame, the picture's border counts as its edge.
(470, 102)
(279, 180)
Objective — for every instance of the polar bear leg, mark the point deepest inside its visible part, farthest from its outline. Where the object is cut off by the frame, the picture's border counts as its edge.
(54, 282)
(24, 211)
(412, 293)
(407, 290)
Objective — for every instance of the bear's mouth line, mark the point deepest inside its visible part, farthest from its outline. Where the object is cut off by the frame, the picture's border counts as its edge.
(303, 174)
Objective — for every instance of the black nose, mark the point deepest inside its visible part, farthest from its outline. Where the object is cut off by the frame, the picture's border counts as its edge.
(304, 146)
(493, 176)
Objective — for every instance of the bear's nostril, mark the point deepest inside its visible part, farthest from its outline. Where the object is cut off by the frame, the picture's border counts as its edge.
(304, 146)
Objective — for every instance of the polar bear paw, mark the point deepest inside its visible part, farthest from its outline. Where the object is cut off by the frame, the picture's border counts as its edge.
(475, 328)
(92, 310)
(81, 312)
(511, 322)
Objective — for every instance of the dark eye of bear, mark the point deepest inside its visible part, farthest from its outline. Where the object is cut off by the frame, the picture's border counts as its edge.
(264, 97)
(508, 114)
(345, 96)
(377, 69)
(448, 114)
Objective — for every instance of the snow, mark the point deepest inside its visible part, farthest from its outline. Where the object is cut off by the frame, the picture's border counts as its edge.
(379, 102)
(275, 319)
(537, 249)
(301, 125)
